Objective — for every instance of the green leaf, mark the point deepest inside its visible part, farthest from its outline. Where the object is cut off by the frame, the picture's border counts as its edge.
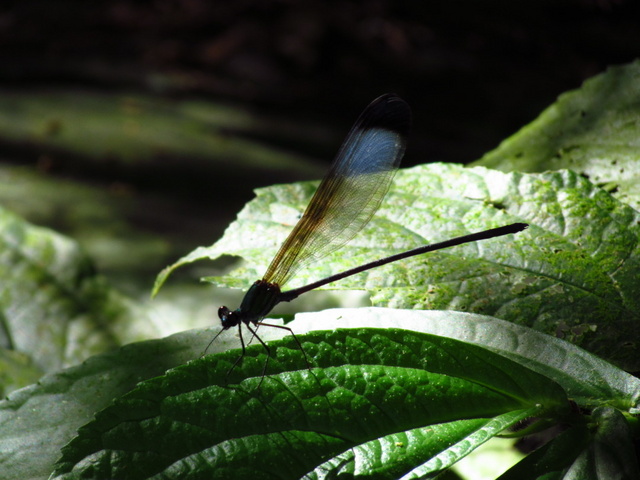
(55, 309)
(105, 221)
(367, 384)
(463, 447)
(610, 454)
(572, 274)
(37, 421)
(554, 457)
(394, 455)
(592, 130)
(16, 370)
(587, 379)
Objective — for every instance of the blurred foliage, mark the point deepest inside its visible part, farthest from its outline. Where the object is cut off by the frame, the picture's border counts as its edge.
(119, 153)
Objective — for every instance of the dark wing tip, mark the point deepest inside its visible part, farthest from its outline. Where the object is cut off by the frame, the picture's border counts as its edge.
(389, 112)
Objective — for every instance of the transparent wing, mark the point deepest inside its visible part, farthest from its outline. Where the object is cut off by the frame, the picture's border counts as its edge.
(351, 191)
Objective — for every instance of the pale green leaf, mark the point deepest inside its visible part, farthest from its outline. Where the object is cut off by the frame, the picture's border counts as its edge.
(592, 130)
(572, 274)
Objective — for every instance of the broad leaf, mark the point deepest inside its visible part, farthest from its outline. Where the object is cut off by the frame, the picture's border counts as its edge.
(587, 379)
(36, 422)
(55, 309)
(396, 455)
(367, 384)
(573, 273)
(592, 130)
(610, 454)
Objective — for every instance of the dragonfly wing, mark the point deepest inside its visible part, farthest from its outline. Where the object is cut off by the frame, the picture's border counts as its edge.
(351, 191)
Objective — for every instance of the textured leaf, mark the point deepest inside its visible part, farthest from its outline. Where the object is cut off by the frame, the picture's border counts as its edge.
(573, 273)
(37, 421)
(394, 456)
(368, 384)
(452, 454)
(587, 379)
(54, 307)
(610, 454)
(592, 130)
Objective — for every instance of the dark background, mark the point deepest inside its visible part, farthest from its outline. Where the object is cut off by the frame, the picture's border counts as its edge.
(473, 72)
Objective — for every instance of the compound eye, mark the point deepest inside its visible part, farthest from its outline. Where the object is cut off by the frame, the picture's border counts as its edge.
(228, 318)
(223, 312)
